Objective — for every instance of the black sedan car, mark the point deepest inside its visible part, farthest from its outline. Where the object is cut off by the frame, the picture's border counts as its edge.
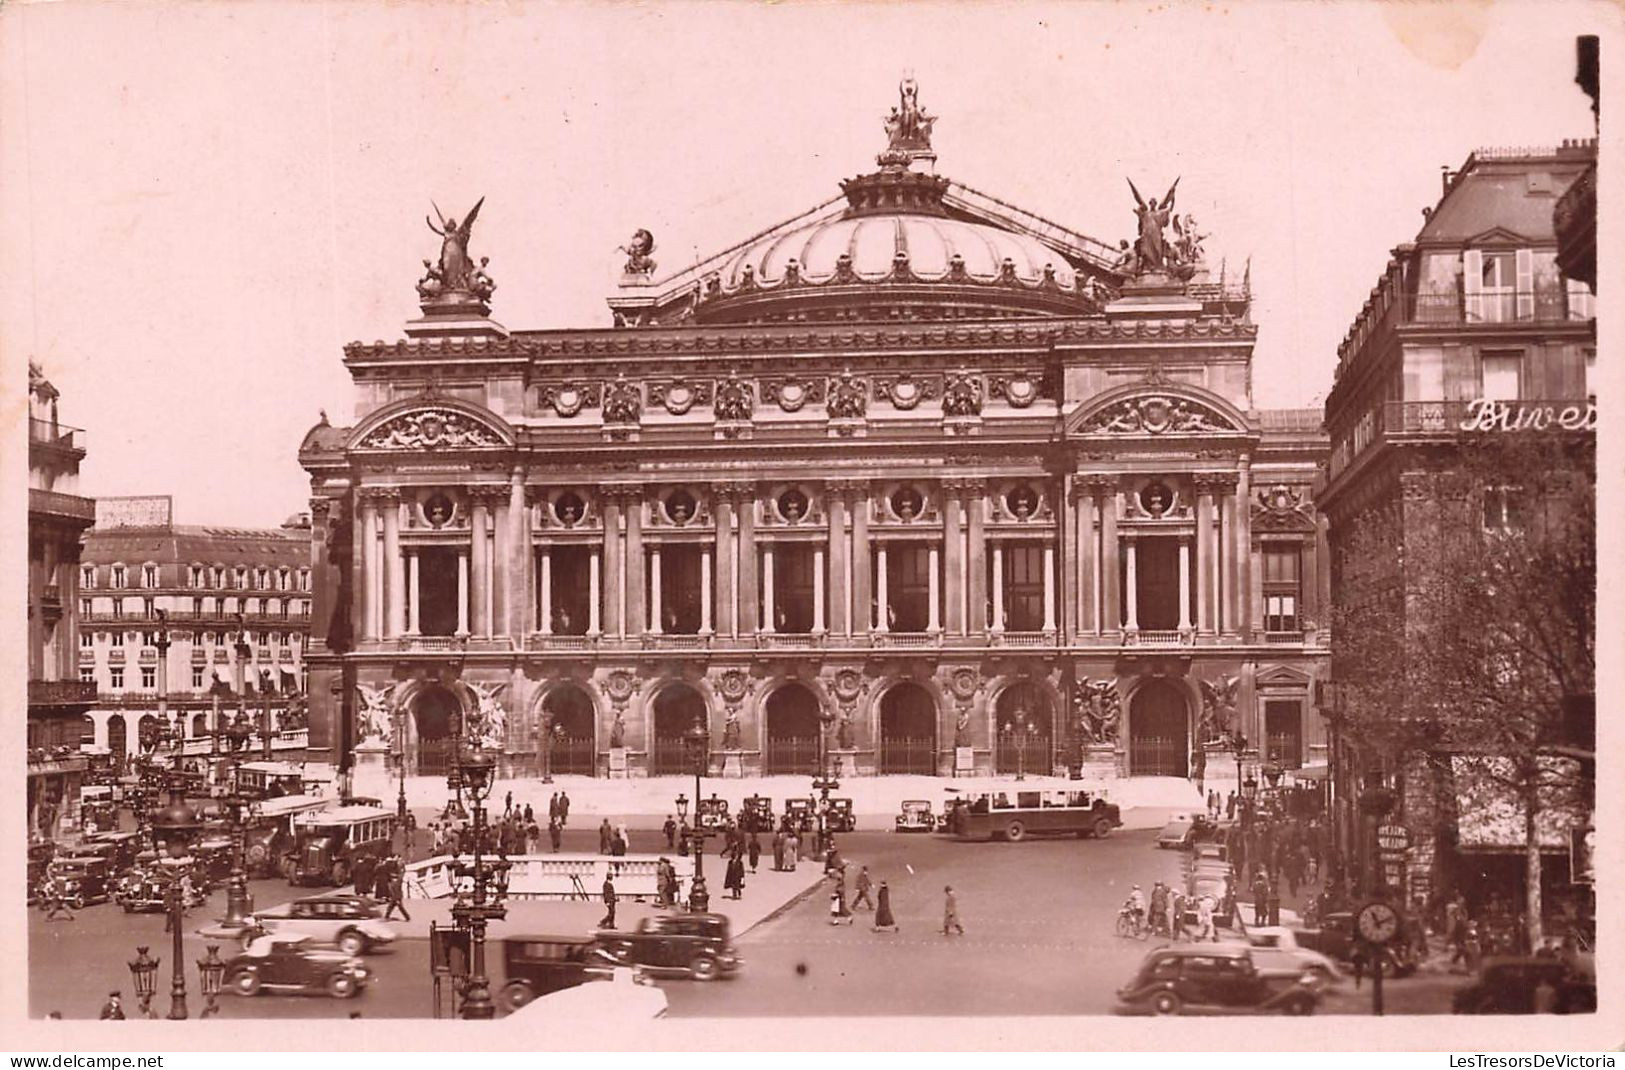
(1213, 979)
(681, 945)
(292, 964)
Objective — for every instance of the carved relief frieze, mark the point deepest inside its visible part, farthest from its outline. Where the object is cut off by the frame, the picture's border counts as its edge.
(735, 400)
(679, 396)
(962, 394)
(567, 399)
(431, 429)
(1156, 414)
(790, 395)
(623, 402)
(905, 391)
(1282, 507)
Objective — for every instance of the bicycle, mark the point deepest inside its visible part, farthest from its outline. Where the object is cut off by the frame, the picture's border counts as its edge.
(1129, 925)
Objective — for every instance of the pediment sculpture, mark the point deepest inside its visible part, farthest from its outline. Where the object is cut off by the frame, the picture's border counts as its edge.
(431, 429)
(1156, 414)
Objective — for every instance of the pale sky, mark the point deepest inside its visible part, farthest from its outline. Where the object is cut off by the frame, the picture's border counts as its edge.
(205, 201)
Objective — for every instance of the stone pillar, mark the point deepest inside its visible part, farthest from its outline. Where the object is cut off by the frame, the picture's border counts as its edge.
(482, 593)
(636, 619)
(1232, 601)
(768, 593)
(840, 579)
(414, 587)
(1049, 587)
(501, 575)
(395, 568)
(749, 591)
(998, 587)
(976, 555)
(861, 581)
(1323, 572)
(1204, 556)
(818, 590)
(933, 568)
(727, 596)
(1131, 583)
(1110, 582)
(595, 593)
(1243, 551)
(546, 611)
(611, 567)
(520, 560)
(1088, 562)
(705, 591)
(655, 626)
(953, 544)
(1184, 584)
(369, 567)
(881, 624)
(1067, 533)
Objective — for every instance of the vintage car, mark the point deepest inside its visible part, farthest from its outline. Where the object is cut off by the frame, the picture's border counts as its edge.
(1335, 939)
(712, 813)
(683, 945)
(1213, 979)
(840, 817)
(290, 963)
(916, 816)
(214, 857)
(350, 923)
(1276, 953)
(1217, 889)
(1182, 831)
(756, 814)
(951, 806)
(800, 815)
(1508, 985)
(120, 848)
(81, 879)
(537, 965)
(145, 889)
(40, 853)
(1217, 851)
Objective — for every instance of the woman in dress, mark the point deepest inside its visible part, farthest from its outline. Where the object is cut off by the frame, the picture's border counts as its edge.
(884, 922)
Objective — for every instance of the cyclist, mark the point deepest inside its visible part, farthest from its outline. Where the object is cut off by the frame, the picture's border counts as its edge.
(1136, 904)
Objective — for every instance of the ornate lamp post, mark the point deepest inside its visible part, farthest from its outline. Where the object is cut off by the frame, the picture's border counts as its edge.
(477, 768)
(698, 741)
(211, 972)
(551, 733)
(400, 769)
(176, 825)
(1019, 730)
(239, 904)
(144, 972)
(824, 783)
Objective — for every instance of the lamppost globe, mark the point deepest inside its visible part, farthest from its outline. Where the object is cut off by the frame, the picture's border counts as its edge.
(144, 974)
(211, 972)
(682, 807)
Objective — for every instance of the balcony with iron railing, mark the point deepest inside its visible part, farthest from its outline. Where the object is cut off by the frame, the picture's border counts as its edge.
(56, 505)
(61, 693)
(1435, 421)
(1498, 308)
(51, 434)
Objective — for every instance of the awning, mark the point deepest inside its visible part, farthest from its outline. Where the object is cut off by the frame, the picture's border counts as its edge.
(1490, 816)
(1310, 772)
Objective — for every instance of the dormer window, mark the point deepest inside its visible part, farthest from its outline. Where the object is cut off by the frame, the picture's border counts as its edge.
(87, 576)
(1498, 285)
(120, 579)
(149, 576)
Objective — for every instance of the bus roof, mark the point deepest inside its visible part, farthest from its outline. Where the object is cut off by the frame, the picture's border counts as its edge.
(343, 815)
(276, 768)
(290, 804)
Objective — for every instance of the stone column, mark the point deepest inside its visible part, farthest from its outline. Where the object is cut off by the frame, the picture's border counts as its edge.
(768, 592)
(705, 590)
(414, 587)
(1243, 551)
(998, 587)
(1323, 573)
(727, 596)
(953, 544)
(1067, 533)
(840, 580)
(595, 592)
(1232, 601)
(1088, 562)
(546, 564)
(611, 565)
(520, 560)
(881, 624)
(861, 611)
(655, 626)
(1110, 582)
(976, 555)
(933, 583)
(818, 590)
(482, 593)
(636, 618)
(395, 571)
(369, 566)
(1049, 587)
(1131, 583)
(1204, 556)
(501, 575)
(749, 591)
(1184, 584)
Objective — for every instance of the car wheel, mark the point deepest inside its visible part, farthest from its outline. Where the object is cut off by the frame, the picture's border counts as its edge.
(515, 994)
(1103, 827)
(245, 983)
(1015, 832)
(1302, 1005)
(703, 968)
(352, 943)
(1165, 1003)
(342, 986)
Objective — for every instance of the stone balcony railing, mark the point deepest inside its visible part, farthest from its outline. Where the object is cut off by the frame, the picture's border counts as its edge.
(61, 692)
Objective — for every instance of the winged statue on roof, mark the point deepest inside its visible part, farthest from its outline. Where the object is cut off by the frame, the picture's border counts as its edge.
(455, 271)
(1152, 247)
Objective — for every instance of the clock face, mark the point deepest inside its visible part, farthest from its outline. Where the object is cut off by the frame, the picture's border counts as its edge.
(1378, 923)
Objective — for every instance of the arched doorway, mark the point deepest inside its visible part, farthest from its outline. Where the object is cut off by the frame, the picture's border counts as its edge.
(1023, 730)
(790, 734)
(436, 713)
(908, 730)
(676, 708)
(569, 741)
(200, 724)
(1159, 731)
(118, 743)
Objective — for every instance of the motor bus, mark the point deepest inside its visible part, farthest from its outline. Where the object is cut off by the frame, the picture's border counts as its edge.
(270, 838)
(1013, 814)
(270, 780)
(328, 842)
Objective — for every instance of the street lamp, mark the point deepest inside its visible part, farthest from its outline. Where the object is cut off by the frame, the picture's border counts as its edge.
(698, 742)
(1019, 730)
(175, 825)
(144, 972)
(211, 972)
(550, 733)
(239, 904)
(476, 767)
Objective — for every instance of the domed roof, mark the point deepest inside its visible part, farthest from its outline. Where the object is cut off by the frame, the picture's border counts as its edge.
(872, 245)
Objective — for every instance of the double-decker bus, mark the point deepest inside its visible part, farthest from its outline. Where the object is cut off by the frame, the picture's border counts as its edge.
(1014, 813)
(330, 841)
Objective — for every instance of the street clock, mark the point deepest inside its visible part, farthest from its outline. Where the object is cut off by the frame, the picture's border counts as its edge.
(1378, 923)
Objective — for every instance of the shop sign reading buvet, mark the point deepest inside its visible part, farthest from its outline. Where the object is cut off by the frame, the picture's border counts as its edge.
(1486, 414)
(1393, 837)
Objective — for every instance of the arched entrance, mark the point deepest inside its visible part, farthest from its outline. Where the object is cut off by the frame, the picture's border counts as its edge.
(200, 724)
(1024, 730)
(435, 715)
(1159, 731)
(118, 743)
(569, 739)
(908, 730)
(676, 708)
(790, 743)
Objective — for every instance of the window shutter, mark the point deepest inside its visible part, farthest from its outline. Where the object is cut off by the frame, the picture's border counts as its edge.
(1472, 281)
(1526, 284)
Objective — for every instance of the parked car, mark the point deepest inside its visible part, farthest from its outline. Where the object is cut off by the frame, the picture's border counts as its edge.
(1335, 938)
(538, 965)
(1276, 953)
(350, 923)
(684, 945)
(82, 879)
(840, 817)
(945, 823)
(291, 963)
(799, 814)
(756, 814)
(1507, 985)
(916, 816)
(214, 858)
(1179, 832)
(1213, 979)
(1218, 851)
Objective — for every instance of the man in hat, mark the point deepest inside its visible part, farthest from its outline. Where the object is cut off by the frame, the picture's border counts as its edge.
(950, 912)
(610, 899)
(113, 1009)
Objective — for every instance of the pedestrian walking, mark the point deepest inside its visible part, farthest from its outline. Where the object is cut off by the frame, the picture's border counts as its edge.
(610, 899)
(1230, 807)
(555, 834)
(1261, 895)
(838, 913)
(753, 851)
(884, 922)
(113, 1009)
(778, 851)
(564, 808)
(530, 815)
(507, 803)
(396, 890)
(670, 829)
(56, 904)
(734, 881)
(862, 884)
(605, 835)
(617, 844)
(625, 834)
(1176, 915)
(553, 807)
(364, 874)
(792, 851)
(950, 912)
(1204, 919)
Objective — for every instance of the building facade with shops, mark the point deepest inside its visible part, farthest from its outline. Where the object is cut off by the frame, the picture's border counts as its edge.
(916, 479)
(57, 699)
(1471, 317)
(234, 605)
